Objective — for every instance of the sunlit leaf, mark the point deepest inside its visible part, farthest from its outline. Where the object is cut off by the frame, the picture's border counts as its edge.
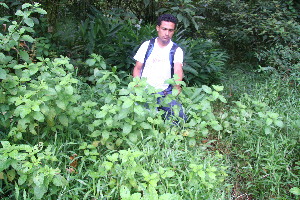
(2, 74)
(4, 5)
(41, 11)
(11, 174)
(38, 116)
(24, 55)
(39, 191)
(39, 179)
(27, 38)
(133, 137)
(90, 62)
(63, 119)
(207, 89)
(127, 128)
(29, 22)
(59, 180)
(127, 103)
(69, 90)
(192, 142)
(295, 191)
(218, 88)
(124, 192)
(279, 123)
(267, 130)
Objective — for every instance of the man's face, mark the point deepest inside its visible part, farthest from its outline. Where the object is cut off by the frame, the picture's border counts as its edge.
(165, 31)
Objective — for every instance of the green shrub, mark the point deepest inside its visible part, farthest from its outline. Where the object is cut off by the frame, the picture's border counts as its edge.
(27, 171)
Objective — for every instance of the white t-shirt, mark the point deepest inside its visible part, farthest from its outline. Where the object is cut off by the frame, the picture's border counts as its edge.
(157, 68)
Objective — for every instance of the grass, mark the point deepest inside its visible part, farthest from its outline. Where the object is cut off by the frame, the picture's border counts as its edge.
(264, 166)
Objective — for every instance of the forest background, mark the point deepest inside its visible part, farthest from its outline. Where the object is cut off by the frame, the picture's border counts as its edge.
(74, 126)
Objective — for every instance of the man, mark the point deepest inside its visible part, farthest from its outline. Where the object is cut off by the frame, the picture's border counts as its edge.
(157, 67)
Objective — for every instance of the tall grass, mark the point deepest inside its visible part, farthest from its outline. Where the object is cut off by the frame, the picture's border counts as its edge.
(264, 166)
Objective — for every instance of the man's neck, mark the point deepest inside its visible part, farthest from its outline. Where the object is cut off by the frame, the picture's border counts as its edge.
(162, 44)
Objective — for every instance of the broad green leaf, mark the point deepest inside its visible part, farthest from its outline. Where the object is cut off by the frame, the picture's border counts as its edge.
(168, 174)
(168, 196)
(29, 22)
(269, 121)
(41, 11)
(295, 191)
(39, 179)
(140, 110)
(216, 126)
(2, 74)
(108, 165)
(59, 180)
(24, 55)
(19, 66)
(201, 173)
(145, 125)
(90, 62)
(26, 5)
(4, 5)
(63, 119)
(267, 130)
(19, 13)
(124, 192)
(101, 114)
(15, 36)
(58, 88)
(123, 92)
(11, 174)
(218, 88)
(119, 141)
(222, 98)
(5, 144)
(215, 95)
(133, 137)
(96, 133)
(38, 116)
(113, 158)
(69, 90)
(112, 87)
(207, 89)
(278, 123)
(127, 128)
(61, 104)
(192, 142)
(212, 175)
(22, 179)
(105, 135)
(273, 115)
(44, 109)
(39, 191)
(24, 111)
(27, 38)
(127, 103)
(33, 69)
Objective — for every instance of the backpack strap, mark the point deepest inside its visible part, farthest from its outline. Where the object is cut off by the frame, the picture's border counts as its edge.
(171, 56)
(148, 52)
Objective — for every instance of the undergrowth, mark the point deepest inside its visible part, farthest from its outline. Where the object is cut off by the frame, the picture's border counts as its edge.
(264, 164)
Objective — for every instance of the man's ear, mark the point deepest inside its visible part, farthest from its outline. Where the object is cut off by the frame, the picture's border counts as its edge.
(157, 28)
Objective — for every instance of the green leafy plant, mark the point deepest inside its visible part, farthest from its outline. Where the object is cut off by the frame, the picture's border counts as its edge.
(28, 170)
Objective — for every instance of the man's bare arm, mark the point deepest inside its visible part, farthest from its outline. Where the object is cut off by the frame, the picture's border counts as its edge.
(137, 69)
(179, 71)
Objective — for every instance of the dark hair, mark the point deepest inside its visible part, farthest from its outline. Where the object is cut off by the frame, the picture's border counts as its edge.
(166, 18)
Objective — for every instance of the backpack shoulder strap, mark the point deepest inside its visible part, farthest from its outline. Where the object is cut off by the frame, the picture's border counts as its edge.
(171, 56)
(148, 52)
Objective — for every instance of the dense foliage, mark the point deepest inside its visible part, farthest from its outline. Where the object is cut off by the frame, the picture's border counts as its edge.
(74, 125)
